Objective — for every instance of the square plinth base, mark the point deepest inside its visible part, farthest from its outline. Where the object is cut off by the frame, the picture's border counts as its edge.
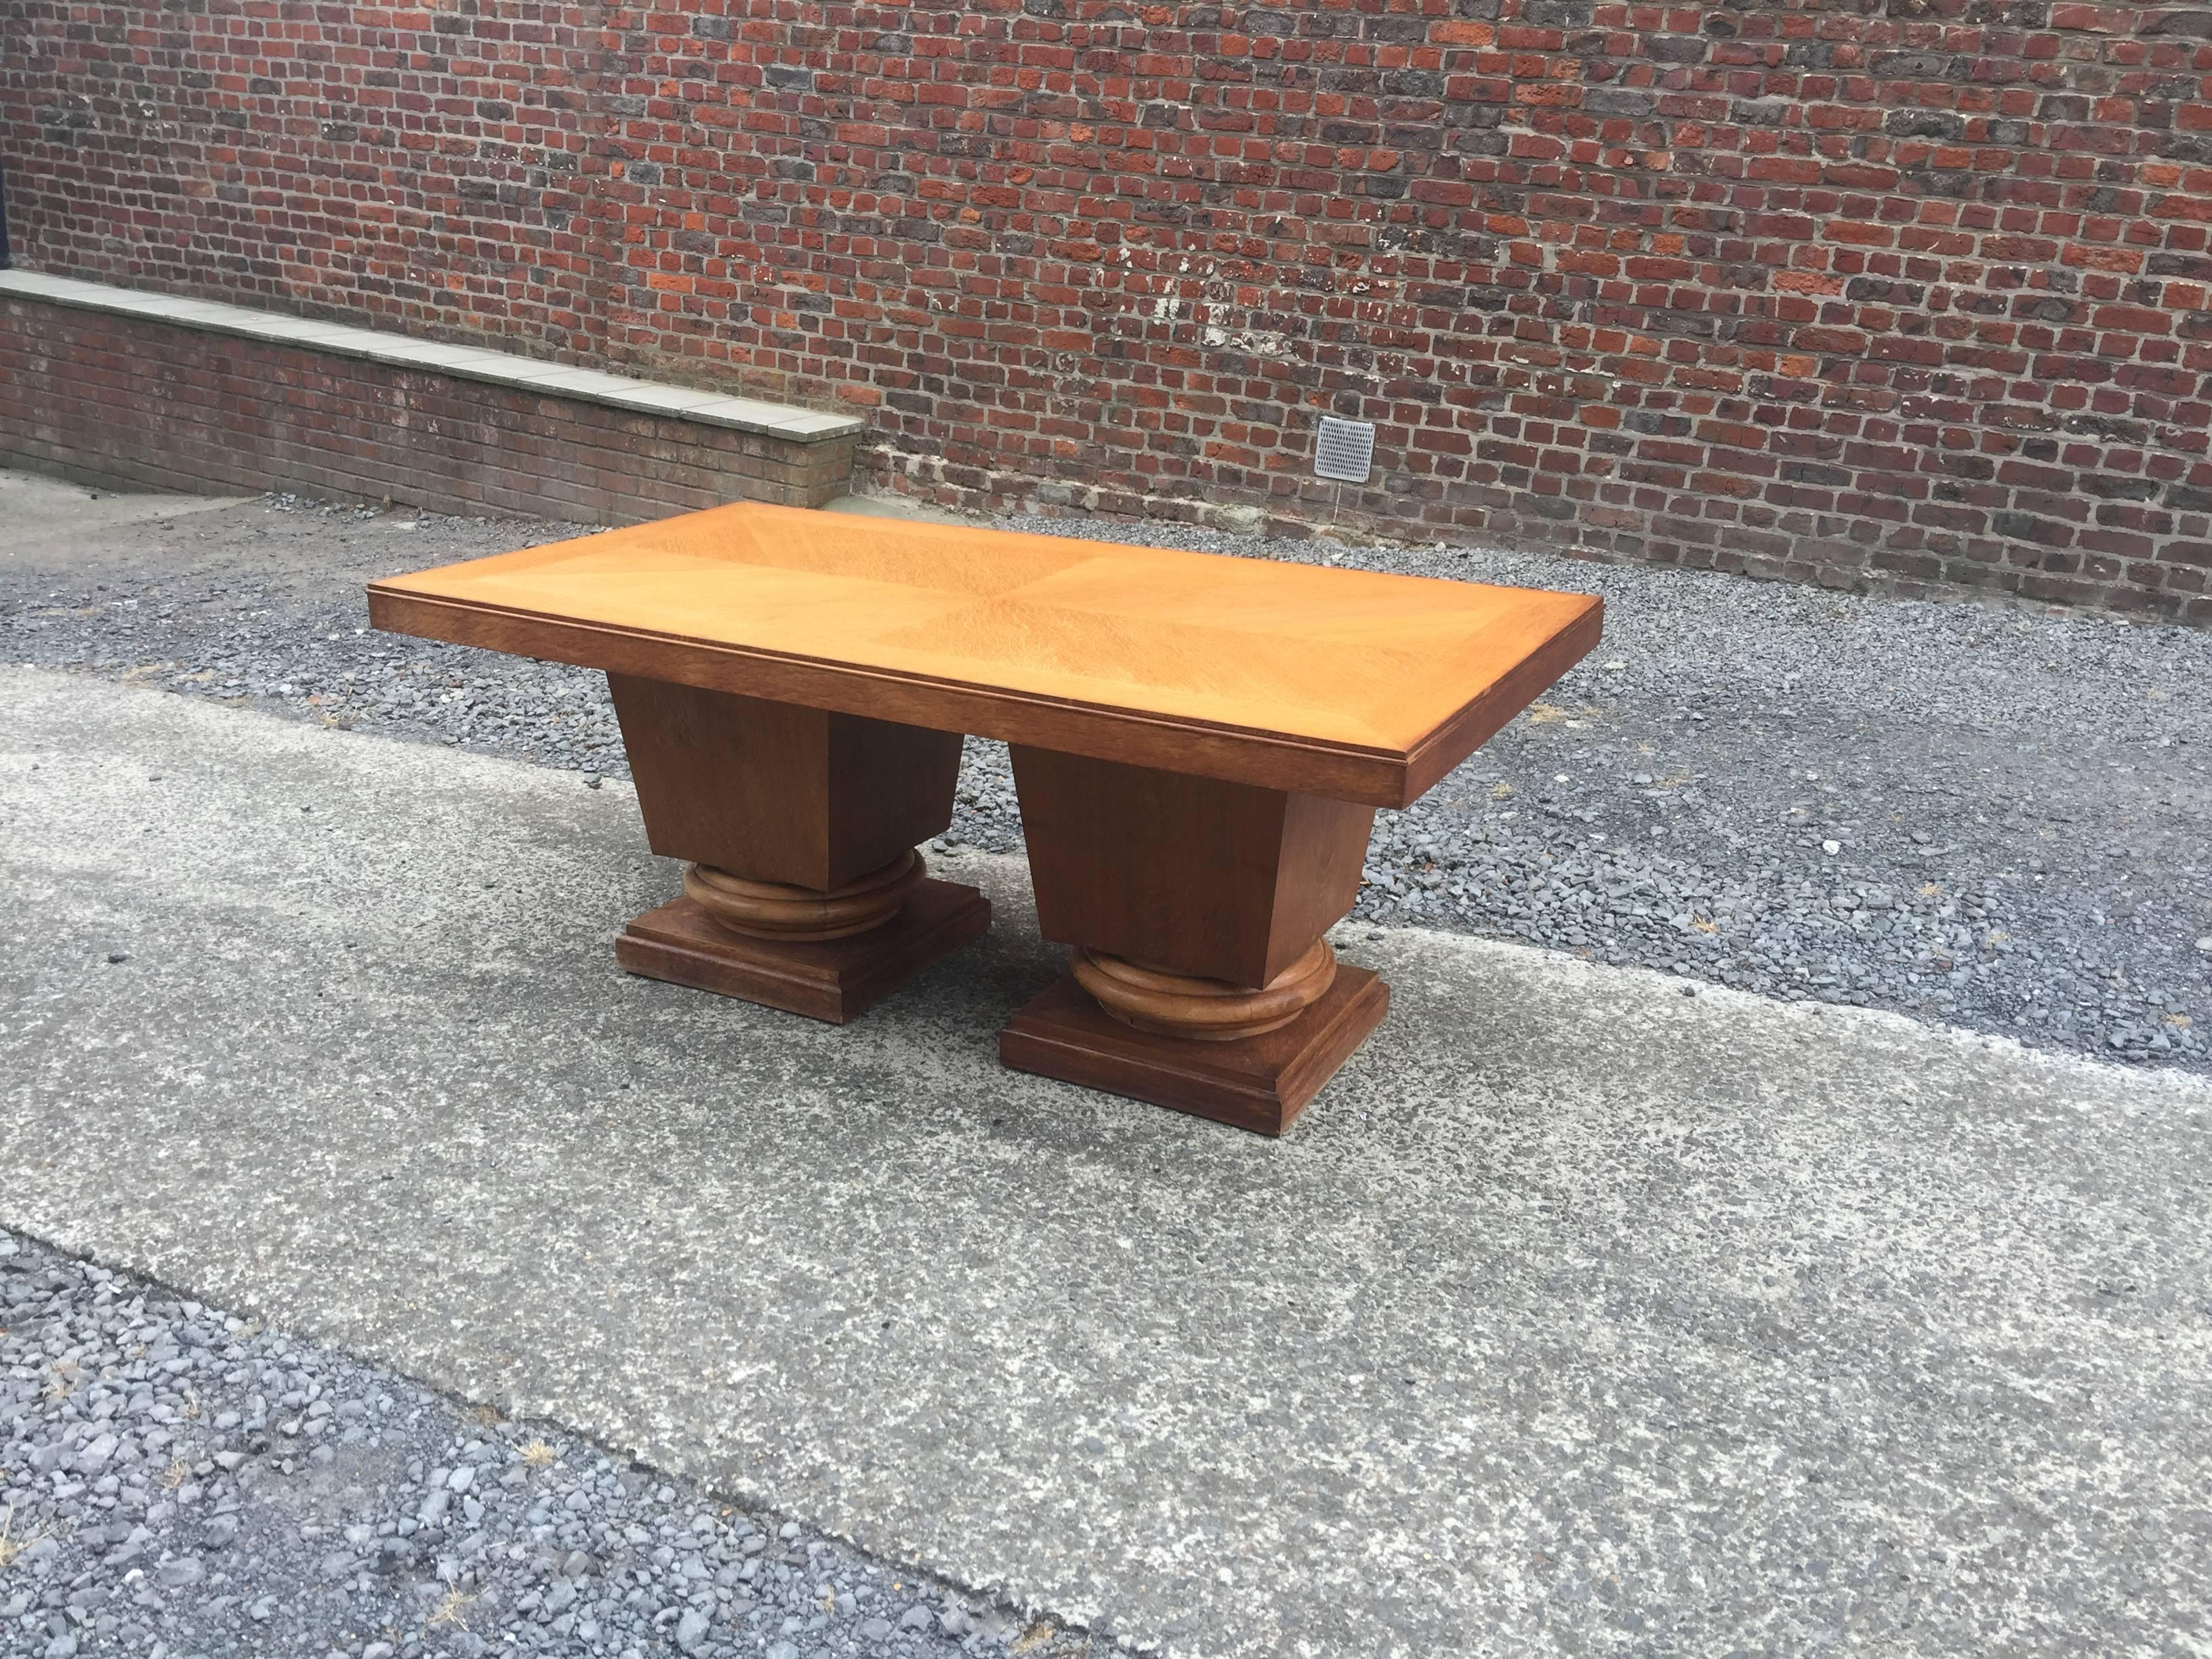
(1260, 1083)
(831, 979)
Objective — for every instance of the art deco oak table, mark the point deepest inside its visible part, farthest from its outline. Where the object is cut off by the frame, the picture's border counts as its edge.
(1200, 744)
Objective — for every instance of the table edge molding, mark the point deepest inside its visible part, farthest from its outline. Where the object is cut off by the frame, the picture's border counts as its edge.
(1375, 777)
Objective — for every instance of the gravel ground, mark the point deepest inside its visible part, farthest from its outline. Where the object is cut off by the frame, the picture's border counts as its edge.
(1989, 817)
(183, 1482)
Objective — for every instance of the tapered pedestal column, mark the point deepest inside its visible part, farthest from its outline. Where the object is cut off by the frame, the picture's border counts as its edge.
(804, 890)
(1199, 978)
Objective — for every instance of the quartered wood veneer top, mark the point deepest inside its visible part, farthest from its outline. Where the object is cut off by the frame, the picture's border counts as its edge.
(1343, 682)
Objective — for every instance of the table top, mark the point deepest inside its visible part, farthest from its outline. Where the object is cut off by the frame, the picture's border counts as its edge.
(1349, 684)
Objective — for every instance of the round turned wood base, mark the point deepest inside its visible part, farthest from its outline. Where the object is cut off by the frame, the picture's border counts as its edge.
(1207, 1010)
(769, 909)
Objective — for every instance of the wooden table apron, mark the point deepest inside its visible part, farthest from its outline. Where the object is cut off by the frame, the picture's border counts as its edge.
(1193, 866)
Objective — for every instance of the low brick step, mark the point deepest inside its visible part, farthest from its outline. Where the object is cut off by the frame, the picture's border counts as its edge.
(144, 387)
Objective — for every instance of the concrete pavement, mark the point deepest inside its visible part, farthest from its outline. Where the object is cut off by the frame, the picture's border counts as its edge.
(34, 507)
(1581, 1314)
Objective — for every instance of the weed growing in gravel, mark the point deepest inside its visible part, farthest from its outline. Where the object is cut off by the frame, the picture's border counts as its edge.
(454, 1610)
(11, 1546)
(539, 1455)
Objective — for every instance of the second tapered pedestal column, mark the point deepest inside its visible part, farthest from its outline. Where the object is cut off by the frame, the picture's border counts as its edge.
(1199, 978)
(804, 890)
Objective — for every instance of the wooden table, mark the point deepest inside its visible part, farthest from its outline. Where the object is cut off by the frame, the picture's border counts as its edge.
(1200, 744)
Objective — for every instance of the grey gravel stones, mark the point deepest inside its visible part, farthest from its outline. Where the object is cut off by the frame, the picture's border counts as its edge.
(177, 1481)
(1978, 816)
(1988, 818)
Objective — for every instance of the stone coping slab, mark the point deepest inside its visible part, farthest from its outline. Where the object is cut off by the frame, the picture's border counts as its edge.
(504, 368)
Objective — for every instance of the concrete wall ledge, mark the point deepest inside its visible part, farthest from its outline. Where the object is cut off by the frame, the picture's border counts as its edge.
(118, 388)
(502, 368)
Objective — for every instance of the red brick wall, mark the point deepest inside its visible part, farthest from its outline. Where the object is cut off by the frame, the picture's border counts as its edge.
(121, 400)
(1903, 291)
